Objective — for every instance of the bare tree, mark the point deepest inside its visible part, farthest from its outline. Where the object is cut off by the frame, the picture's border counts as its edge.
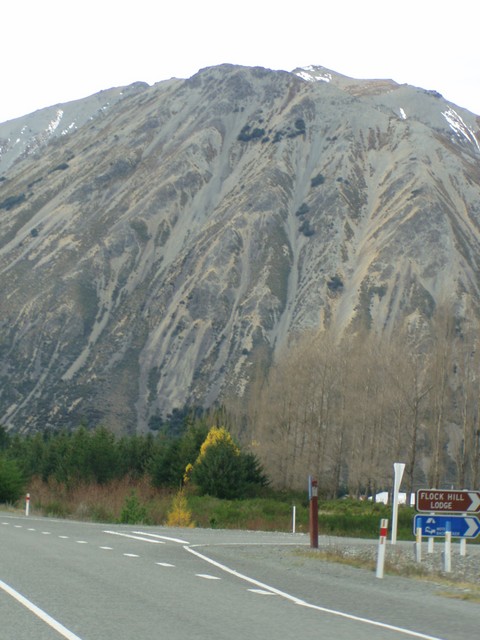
(409, 389)
(440, 372)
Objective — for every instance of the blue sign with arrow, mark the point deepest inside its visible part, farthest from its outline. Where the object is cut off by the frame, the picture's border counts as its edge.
(434, 526)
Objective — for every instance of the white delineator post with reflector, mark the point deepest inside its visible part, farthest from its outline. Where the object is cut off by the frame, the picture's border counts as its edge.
(447, 554)
(418, 544)
(381, 547)
(399, 468)
(27, 504)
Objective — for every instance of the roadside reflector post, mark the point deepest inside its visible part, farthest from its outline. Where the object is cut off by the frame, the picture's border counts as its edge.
(314, 514)
(463, 543)
(381, 547)
(27, 504)
(447, 554)
(294, 518)
(398, 468)
(430, 541)
(418, 545)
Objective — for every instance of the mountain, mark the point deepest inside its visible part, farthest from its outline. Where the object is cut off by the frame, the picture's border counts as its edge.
(155, 239)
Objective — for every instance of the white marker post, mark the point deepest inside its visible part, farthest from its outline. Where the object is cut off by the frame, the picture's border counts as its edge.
(463, 543)
(399, 468)
(381, 547)
(418, 545)
(430, 540)
(447, 555)
(294, 517)
(27, 504)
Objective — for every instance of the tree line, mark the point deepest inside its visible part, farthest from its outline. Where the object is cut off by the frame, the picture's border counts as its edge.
(344, 409)
(216, 465)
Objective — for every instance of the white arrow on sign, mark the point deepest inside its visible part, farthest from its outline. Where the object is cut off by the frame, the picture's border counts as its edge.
(475, 498)
(472, 527)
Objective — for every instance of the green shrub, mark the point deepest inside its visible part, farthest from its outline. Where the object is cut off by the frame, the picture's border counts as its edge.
(247, 134)
(219, 472)
(12, 201)
(317, 180)
(55, 508)
(133, 511)
(224, 473)
(302, 210)
(11, 481)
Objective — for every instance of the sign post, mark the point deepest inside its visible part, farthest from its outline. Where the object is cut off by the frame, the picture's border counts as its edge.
(314, 515)
(398, 468)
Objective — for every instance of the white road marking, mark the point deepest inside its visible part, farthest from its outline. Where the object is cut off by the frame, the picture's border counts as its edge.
(64, 537)
(7, 523)
(165, 564)
(155, 535)
(107, 548)
(301, 602)
(46, 533)
(81, 542)
(131, 555)
(66, 633)
(31, 529)
(17, 526)
(207, 576)
(261, 592)
(128, 535)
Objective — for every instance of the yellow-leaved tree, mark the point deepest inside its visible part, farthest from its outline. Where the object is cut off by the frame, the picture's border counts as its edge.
(222, 470)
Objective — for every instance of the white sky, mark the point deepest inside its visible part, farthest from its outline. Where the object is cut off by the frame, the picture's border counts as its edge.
(57, 50)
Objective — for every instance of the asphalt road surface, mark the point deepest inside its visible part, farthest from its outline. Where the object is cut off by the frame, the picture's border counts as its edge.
(83, 581)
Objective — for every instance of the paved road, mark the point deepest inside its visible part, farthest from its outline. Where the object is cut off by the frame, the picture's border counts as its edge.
(83, 581)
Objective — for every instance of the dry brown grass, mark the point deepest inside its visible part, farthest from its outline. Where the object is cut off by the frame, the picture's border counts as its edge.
(100, 503)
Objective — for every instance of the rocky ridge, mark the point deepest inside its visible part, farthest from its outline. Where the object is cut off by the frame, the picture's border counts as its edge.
(149, 253)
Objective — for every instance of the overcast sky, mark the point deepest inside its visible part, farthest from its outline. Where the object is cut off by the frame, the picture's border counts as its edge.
(58, 50)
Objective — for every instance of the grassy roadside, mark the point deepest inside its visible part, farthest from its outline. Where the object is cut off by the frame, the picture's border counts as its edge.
(132, 501)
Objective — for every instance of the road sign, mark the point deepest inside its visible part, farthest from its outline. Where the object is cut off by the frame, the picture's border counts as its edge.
(434, 526)
(451, 501)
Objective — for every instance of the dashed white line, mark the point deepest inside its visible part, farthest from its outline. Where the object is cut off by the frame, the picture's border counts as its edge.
(261, 592)
(165, 564)
(81, 542)
(107, 548)
(46, 533)
(64, 537)
(131, 555)
(207, 576)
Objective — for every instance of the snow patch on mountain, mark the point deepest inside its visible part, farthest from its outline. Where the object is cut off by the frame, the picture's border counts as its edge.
(311, 74)
(459, 127)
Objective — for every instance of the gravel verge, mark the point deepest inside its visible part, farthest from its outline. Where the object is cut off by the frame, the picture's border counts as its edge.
(402, 558)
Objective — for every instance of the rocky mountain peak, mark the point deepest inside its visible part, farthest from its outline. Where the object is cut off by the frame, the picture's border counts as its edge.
(152, 251)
